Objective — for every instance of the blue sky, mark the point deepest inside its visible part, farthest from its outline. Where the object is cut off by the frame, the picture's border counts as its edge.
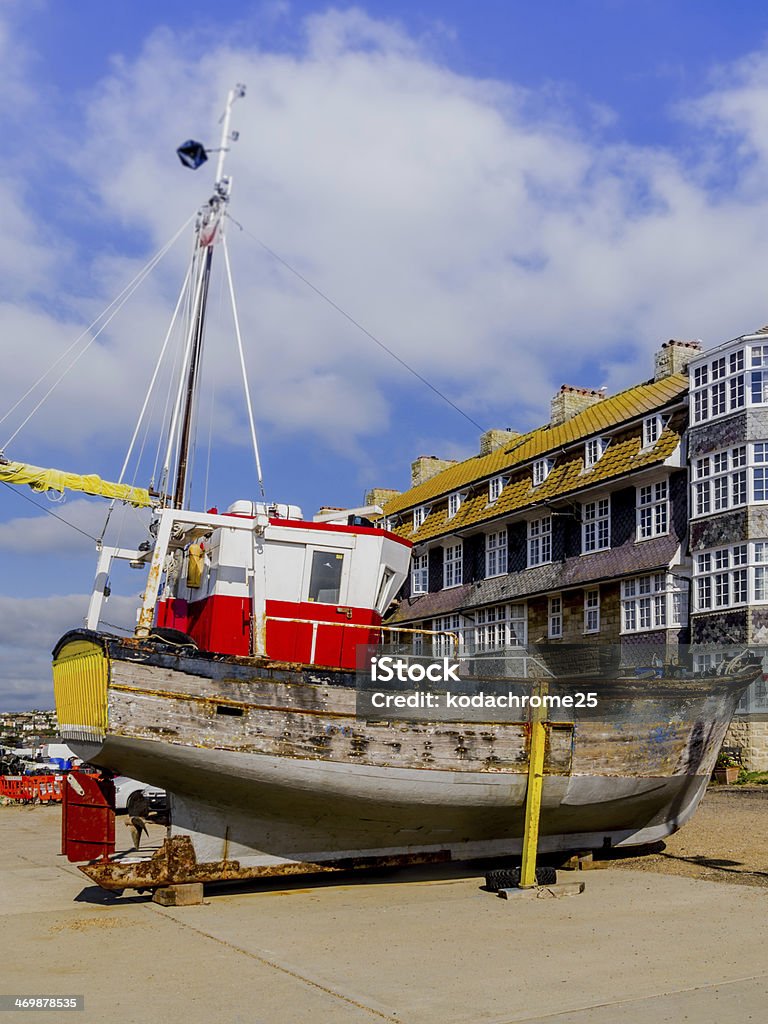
(510, 196)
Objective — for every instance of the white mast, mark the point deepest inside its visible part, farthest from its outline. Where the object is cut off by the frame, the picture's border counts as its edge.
(207, 232)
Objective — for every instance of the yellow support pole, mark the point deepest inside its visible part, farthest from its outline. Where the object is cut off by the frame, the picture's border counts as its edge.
(533, 794)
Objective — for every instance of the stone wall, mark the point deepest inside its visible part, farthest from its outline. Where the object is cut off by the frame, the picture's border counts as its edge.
(750, 734)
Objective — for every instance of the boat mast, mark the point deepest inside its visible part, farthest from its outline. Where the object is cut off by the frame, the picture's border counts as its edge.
(206, 234)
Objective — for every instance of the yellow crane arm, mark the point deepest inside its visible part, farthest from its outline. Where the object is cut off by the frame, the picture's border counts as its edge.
(57, 480)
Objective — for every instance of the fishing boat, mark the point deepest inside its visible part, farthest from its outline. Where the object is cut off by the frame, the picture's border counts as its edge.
(239, 691)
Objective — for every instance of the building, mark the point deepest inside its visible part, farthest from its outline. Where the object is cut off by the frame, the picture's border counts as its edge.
(728, 539)
(627, 519)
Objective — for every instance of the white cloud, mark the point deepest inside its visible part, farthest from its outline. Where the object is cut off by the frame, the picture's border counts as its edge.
(483, 243)
(467, 223)
(45, 534)
(29, 629)
(469, 227)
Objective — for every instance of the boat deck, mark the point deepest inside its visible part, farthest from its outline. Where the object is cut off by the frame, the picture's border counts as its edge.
(418, 947)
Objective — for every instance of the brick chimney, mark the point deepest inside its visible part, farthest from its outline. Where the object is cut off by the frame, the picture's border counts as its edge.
(427, 466)
(380, 496)
(674, 356)
(493, 439)
(570, 400)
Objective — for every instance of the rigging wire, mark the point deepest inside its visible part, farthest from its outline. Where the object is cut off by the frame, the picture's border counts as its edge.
(147, 399)
(210, 445)
(355, 323)
(115, 306)
(243, 371)
(48, 511)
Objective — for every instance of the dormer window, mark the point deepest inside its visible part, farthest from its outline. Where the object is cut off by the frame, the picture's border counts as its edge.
(495, 486)
(593, 450)
(652, 429)
(541, 470)
(454, 503)
(419, 515)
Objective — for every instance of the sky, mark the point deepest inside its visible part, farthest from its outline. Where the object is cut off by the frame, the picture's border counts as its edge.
(507, 196)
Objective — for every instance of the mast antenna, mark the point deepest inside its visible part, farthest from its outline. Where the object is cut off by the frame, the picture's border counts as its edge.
(209, 229)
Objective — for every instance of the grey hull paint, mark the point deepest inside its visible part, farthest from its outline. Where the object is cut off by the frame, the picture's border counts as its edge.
(337, 790)
(269, 810)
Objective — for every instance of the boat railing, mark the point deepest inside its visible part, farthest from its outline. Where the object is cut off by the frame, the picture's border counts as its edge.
(451, 640)
(421, 644)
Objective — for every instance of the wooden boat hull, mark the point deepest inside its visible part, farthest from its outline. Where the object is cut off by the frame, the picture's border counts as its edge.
(268, 764)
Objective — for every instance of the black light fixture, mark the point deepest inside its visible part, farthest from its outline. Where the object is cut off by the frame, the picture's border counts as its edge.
(192, 154)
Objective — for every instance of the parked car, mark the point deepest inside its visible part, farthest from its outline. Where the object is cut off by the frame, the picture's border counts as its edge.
(137, 798)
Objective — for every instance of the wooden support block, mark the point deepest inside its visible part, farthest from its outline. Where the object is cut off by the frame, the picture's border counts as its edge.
(190, 894)
(583, 861)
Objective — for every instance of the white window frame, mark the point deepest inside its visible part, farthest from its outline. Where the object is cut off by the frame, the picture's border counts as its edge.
(731, 576)
(596, 525)
(651, 602)
(455, 501)
(653, 428)
(497, 553)
(728, 382)
(592, 610)
(539, 541)
(555, 617)
(495, 486)
(443, 646)
(652, 510)
(420, 513)
(726, 479)
(594, 449)
(541, 470)
(420, 573)
(500, 626)
(453, 565)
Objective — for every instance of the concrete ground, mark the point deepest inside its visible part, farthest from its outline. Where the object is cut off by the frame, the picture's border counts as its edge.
(419, 947)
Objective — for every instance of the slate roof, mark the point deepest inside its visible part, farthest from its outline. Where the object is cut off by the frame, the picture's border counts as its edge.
(630, 559)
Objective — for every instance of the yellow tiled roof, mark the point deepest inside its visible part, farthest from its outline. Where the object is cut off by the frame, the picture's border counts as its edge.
(623, 454)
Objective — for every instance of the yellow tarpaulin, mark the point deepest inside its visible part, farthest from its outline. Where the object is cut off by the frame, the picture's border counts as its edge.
(57, 480)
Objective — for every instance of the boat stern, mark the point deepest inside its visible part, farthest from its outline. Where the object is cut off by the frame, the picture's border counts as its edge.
(80, 682)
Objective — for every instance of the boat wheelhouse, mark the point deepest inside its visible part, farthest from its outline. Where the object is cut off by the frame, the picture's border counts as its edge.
(260, 581)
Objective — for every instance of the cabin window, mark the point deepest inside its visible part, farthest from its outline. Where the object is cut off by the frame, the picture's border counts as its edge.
(381, 598)
(325, 579)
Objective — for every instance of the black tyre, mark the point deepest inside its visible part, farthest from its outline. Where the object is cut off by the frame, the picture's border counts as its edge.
(136, 806)
(172, 637)
(509, 878)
